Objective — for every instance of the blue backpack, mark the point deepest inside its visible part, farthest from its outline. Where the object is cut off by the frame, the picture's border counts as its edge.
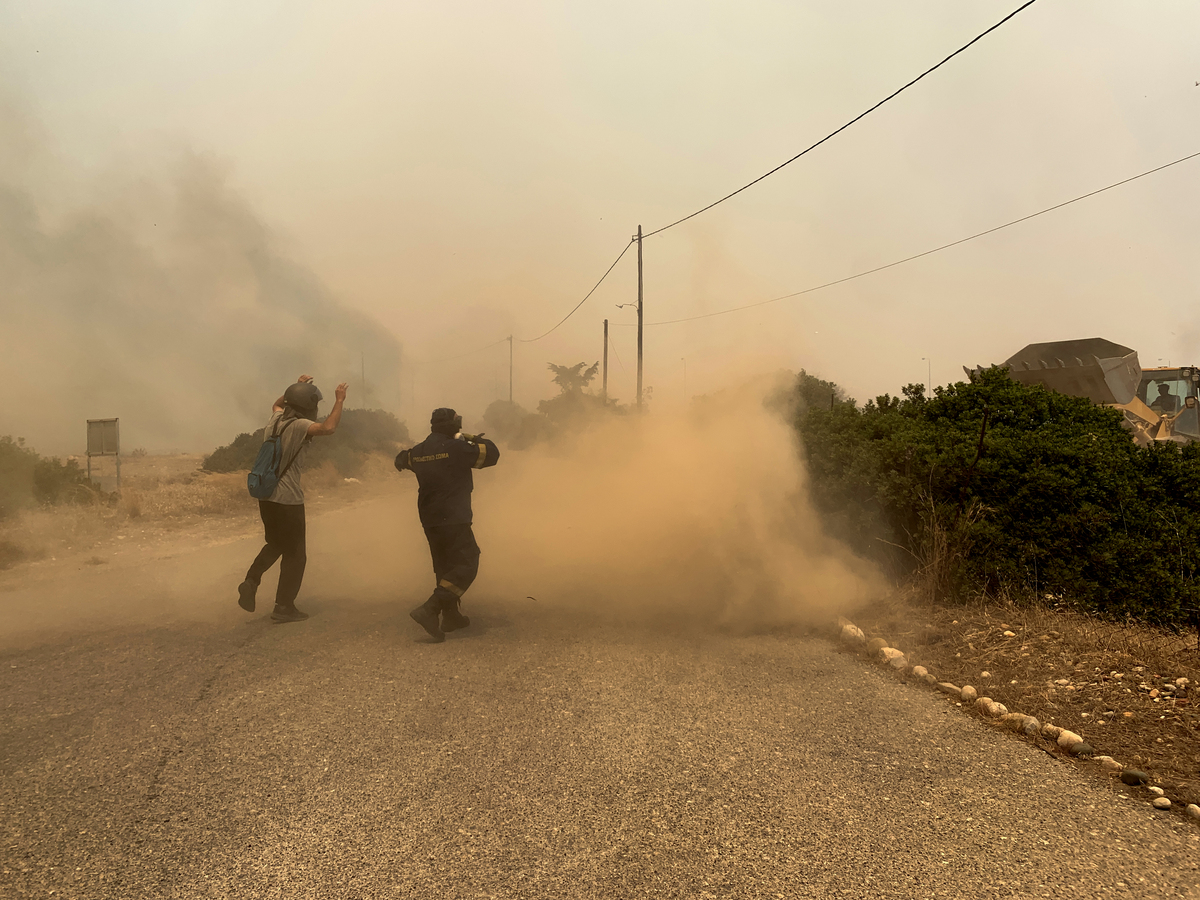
(264, 475)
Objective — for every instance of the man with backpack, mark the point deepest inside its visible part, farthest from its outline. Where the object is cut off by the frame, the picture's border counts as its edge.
(275, 480)
(443, 463)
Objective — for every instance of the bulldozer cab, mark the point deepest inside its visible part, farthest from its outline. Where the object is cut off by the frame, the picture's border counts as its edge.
(1174, 392)
(1158, 404)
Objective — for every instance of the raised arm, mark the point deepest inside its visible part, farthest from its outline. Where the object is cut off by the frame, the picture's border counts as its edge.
(329, 426)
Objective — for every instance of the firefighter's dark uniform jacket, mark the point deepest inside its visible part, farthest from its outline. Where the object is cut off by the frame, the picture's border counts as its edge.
(443, 467)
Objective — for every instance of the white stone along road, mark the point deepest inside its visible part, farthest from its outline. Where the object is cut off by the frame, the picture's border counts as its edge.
(158, 742)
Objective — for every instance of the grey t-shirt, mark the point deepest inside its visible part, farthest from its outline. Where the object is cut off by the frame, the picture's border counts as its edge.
(295, 442)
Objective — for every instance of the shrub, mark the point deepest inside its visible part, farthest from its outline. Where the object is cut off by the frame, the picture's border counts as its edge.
(59, 482)
(360, 433)
(17, 463)
(503, 419)
(27, 479)
(237, 455)
(995, 487)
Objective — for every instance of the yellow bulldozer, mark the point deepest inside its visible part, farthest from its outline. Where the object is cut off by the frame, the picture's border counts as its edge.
(1159, 404)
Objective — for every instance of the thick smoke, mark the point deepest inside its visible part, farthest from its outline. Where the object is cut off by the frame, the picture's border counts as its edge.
(703, 516)
(162, 300)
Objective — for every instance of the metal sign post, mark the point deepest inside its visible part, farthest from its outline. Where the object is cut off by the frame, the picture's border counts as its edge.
(104, 439)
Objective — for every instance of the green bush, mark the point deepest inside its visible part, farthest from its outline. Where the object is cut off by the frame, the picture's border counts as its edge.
(59, 482)
(237, 455)
(1055, 503)
(360, 433)
(26, 478)
(17, 463)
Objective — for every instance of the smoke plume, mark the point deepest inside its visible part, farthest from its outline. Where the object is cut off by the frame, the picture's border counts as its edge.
(163, 300)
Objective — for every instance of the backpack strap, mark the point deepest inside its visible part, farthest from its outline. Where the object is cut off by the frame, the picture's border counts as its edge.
(293, 459)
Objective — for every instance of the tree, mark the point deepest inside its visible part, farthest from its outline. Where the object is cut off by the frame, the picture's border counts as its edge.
(574, 378)
(574, 400)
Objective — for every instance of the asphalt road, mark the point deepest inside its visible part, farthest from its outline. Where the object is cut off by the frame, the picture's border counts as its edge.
(158, 742)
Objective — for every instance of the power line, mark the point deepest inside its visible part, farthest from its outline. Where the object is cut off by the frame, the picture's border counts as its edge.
(915, 256)
(613, 347)
(581, 302)
(738, 191)
(848, 124)
(540, 336)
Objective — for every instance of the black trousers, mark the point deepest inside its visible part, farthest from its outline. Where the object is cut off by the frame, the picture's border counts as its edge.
(283, 526)
(455, 557)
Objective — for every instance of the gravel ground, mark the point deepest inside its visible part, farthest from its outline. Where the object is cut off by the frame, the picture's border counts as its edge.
(539, 754)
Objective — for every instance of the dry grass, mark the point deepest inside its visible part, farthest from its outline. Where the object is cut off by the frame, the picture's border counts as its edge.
(324, 477)
(158, 493)
(1096, 678)
(205, 495)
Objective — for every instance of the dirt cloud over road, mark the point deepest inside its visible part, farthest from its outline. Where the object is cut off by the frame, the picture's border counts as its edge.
(160, 298)
(697, 519)
(703, 514)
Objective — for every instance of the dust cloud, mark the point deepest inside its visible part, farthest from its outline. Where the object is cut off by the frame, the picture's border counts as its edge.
(698, 519)
(703, 513)
(159, 297)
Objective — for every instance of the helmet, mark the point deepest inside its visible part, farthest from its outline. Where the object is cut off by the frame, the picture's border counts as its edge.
(445, 421)
(303, 399)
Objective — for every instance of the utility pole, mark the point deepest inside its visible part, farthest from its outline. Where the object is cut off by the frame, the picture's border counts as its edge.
(604, 389)
(363, 359)
(639, 349)
(510, 368)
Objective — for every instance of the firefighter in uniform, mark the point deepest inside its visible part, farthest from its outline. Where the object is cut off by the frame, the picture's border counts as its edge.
(443, 463)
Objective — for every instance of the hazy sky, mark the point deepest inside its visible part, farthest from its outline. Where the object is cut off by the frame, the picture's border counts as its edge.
(462, 171)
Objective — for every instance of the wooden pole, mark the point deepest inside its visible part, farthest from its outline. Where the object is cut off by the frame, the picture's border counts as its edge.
(510, 368)
(639, 312)
(604, 390)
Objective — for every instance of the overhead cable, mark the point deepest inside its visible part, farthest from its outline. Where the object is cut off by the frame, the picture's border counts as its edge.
(613, 347)
(832, 134)
(583, 301)
(540, 336)
(925, 253)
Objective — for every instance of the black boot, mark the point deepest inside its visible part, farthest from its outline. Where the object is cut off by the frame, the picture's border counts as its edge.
(246, 591)
(452, 619)
(287, 614)
(426, 615)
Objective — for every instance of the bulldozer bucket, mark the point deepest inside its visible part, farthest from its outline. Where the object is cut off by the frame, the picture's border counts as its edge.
(1094, 368)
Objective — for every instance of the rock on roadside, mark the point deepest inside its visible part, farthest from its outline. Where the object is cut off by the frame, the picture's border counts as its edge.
(1071, 742)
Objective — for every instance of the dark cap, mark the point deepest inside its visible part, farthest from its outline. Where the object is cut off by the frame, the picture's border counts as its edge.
(442, 415)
